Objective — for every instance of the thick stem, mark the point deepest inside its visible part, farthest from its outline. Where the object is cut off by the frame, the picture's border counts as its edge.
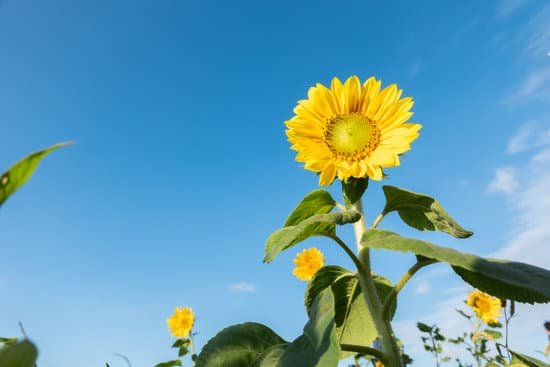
(383, 327)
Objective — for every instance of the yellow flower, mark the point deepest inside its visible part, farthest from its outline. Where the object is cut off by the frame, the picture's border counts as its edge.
(351, 130)
(379, 364)
(181, 322)
(307, 263)
(487, 307)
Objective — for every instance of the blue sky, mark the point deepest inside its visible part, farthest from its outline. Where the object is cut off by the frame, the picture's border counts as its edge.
(182, 169)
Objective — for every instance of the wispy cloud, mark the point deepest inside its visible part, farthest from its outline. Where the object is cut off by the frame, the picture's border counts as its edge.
(507, 7)
(536, 84)
(423, 286)
(242, 287)
(537, 33)
(530, 135)
(504, 181)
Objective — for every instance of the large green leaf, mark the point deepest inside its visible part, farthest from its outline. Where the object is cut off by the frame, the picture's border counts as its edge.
(316, 225)
(22, 171)
(504, 279)
(421, 212)
(526, 360)
(238, 346)
(354, 324)
(316, 347)
(316, 202)
(18, 355)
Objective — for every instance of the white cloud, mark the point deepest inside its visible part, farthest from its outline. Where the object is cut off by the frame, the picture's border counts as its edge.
(423, 286)
(242, 287)
(542, 157)
(538, 32)
(530, 135)
(504, 181)
(507, 7)
(536, 84)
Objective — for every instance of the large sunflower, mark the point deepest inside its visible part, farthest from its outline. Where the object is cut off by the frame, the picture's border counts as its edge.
(351, 130)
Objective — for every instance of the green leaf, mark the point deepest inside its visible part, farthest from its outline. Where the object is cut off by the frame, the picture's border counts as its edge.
(238, 346)
(354, 324)
(317, 225)
(318, 346)
(493, 334)
(503, 279)
(175, 362)
(353, 189)
(181, 343)
(316, 202)
(424, 328)
(421, 212)
(22, 171)
(22, 354)
(8, 341)
(526, 360)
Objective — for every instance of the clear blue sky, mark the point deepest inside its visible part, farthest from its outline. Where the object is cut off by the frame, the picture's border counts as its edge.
(182, 168)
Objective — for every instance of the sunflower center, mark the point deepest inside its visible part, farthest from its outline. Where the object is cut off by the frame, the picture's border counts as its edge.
(351, 136)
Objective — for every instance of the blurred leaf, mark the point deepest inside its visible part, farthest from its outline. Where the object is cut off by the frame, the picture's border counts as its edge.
(8, 341)
(238, 346)
(421, 212)
(22, 354)
(175, 362)
(354, 324)
(424, 328)
(493, 334)
(181, 343)
(526, 360)
(22, 171)
(503, 279)
(316, 202)
(317, 225)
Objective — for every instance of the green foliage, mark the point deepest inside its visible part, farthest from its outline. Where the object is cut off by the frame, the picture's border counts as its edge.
(421, 212)
(316, 202)
(175, 362)
(353, 189)
(354, 323)
(318, 346)
(503, 279)
(238, 346)
(21, 354)
(316, 225)
(255, 345)
(526, 360)
(22, 171)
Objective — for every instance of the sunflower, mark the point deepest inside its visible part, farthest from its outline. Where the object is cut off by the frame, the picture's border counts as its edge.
(307, 263)
(181, 322)
(486, 307)
(351, 130)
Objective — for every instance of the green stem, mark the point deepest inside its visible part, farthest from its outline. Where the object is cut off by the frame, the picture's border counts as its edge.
(377, 221)
(348, 251)
(404, 279)
(383, 327)
(364, 351)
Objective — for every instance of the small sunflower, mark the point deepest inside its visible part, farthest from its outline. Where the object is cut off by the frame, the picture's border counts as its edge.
(351, 130)
(307, 263)
(181, 322)
(486, 307)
